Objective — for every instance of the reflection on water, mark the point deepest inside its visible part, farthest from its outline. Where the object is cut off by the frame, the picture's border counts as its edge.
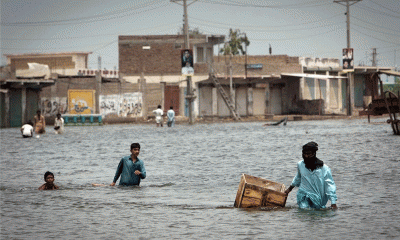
(193, 176)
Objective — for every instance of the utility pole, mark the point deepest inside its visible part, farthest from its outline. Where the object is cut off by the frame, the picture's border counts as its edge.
(347, 4)
(374, 54)
(99, 63)
(189, 95)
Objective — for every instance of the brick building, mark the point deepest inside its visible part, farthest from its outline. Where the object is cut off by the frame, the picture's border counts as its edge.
(157, 59)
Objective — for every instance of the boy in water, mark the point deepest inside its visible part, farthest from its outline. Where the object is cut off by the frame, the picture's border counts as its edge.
(49, 179)
(59, 124)
(130, 168)
(27, 130)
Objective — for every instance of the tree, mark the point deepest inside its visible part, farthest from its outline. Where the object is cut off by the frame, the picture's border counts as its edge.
(395, 88)
(192, 32)
(235, 44)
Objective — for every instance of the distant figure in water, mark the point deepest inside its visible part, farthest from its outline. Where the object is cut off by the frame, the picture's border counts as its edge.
(159, 116)
(40, 123)
(59, 124)
(27, 130)
(171, 117)
(49, 179)
(314, 179)
(130, 168)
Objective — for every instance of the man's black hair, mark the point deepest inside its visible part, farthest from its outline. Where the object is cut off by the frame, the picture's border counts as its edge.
(135, 145)
(311, 146)
(159, 106)
(47, 174)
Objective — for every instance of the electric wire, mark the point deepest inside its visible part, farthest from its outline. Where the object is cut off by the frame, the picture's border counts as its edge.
(237, 4)
(384, 6)
(73, 21)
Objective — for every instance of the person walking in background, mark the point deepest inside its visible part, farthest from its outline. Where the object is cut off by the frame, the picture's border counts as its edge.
(27, 129)
(49, 179)
(130, 168)
(40, 123)
(159, 116)
(59, 124)
(171, 117)
(314, 179)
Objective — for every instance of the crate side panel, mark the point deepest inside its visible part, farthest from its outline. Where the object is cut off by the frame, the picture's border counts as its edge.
(251, 198)
(239, 194)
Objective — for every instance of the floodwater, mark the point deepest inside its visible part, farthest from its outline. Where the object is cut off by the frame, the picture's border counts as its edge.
(193, 173)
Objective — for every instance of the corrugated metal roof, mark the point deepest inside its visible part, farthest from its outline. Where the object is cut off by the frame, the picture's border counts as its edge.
(389, 72)
(320, 76)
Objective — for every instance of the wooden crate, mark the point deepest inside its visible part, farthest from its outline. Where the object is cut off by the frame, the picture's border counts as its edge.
(258, 192)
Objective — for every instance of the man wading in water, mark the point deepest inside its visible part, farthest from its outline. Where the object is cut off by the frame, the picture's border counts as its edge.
(130, 168)
(314, 179)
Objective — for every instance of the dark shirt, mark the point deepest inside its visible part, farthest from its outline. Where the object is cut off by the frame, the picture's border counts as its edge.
(126, 169)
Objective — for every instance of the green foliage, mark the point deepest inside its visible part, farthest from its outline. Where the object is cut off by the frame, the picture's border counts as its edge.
(395, 88)
(235, 44)
(192, 32)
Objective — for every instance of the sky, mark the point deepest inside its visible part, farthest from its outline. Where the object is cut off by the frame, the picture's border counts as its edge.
(303, 28)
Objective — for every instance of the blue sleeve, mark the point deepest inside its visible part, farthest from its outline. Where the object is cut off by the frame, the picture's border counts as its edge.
(330, 187)
(143, 171)
(297, 179)
(119, 170)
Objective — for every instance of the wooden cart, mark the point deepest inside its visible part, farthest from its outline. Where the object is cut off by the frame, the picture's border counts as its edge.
(258, 192)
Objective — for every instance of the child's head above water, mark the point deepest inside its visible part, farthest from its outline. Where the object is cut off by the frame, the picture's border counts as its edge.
(49, 177)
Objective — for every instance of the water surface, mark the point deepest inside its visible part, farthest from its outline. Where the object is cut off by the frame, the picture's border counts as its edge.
(193, 174)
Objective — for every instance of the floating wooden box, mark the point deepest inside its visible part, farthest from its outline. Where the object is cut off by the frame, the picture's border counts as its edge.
(258, 192)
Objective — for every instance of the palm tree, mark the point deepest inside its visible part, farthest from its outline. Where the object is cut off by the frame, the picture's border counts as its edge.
(235, 44)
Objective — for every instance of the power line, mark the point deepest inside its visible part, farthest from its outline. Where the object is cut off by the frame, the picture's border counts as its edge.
(264, 26)
(79, 37)
(72, 21)
(372, 23)
(348, 4)
(384, 6)
(237, 4)
(295, 38)
(396, 43)
(397, 35)
(377, 11)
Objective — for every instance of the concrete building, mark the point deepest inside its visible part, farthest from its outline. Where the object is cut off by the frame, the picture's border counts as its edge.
(253, 81)
(281, 85)
(19, 97)
(33, 64)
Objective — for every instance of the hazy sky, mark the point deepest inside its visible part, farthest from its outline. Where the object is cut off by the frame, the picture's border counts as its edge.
(309, 28)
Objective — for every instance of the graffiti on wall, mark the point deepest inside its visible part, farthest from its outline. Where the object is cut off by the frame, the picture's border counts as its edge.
(54, 105)
(124, 105)
(81, 101)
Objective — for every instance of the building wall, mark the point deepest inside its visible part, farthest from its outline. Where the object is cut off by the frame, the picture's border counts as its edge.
(271, 64)
(223, 110)
(163, 56)
(205, 101)
(359, 89)
(54, 99)
(259, 101)
(241, 100)
(61, 63)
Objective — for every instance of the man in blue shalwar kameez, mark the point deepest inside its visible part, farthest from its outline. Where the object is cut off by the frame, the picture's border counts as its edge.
(130, 168)
(314, 179)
